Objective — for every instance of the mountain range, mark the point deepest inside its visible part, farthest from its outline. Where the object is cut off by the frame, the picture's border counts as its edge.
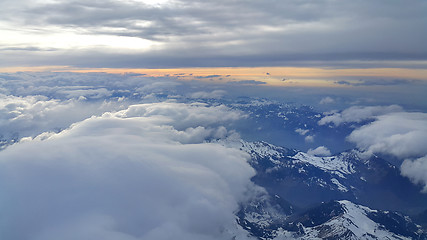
(346, 196)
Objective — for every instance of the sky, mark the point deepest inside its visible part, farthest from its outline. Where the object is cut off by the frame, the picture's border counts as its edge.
(372, 39)
(98, 99)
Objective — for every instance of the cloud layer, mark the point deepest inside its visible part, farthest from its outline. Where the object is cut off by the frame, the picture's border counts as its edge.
(141, 173)
(32, 115)
(402, 134)
(183, 33)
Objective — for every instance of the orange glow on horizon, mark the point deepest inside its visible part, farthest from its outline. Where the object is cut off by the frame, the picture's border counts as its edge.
(273, 76)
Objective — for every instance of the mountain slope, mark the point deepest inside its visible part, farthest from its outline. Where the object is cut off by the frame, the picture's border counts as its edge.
(296, 181)
(346, 220)
(305, 180)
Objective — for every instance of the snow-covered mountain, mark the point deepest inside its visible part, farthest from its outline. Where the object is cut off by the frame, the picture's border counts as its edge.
(305, 180)
(346, 220)
(299, 184)
(270, 217)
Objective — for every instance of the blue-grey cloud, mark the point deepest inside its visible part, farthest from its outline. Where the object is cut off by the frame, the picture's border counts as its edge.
(326, 100)
(375, 82)
(30, 49)
(342, 82)
(208, 76)
(247, 82)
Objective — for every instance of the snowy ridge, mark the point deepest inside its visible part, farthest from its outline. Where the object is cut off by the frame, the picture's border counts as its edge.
(338, 165)
(263, 150)
(355, 219)
(341, 187)
(335, 164)
(257, 150)
(265, 219)
(263, 212)
(353, 223)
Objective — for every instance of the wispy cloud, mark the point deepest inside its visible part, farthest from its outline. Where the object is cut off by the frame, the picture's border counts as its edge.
(326, 100)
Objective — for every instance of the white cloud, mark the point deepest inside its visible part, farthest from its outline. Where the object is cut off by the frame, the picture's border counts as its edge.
(32, 115)
(182, 116)
(304, 132)
(309, 138)
(321, 151)
(416, 170)
(124, 178)
(301, 131)
(402, 134)
(358, 114)
(327, 100)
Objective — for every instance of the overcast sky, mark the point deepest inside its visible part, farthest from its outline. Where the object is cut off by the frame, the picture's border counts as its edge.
(217, 33)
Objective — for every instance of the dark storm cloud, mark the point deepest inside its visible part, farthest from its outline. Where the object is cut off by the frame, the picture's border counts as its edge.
(234, 33)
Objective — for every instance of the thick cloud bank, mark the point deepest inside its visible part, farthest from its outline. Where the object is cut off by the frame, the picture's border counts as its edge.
(142, 173)
(32, 103)
(402, 134)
